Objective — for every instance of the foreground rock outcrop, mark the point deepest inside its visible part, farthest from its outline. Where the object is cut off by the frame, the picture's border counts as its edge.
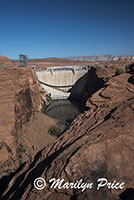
(99, 143)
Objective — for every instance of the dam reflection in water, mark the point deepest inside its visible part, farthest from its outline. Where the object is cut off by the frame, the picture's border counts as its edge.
(64, 110)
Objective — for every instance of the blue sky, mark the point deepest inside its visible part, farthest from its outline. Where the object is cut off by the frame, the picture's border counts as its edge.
(63, 28)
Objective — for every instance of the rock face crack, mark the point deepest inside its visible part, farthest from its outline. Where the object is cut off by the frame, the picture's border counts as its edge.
(68, 159)
(107, 117)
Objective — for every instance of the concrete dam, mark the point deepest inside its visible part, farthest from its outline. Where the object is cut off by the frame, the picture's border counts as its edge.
(62, 81)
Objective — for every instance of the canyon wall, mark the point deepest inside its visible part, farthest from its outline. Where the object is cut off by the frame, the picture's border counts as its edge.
(98, 143)
(20, 100)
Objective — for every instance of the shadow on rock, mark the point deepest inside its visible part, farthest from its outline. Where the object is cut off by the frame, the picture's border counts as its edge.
(89, 84)
(128, 194)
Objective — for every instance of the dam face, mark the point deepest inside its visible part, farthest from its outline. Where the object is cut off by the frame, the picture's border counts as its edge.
(62, 81)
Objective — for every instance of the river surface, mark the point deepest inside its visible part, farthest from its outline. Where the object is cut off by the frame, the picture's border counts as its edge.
(64, 110)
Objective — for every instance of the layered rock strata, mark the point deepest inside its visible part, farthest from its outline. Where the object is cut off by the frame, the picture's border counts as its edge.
(99, 143)
(19, 101)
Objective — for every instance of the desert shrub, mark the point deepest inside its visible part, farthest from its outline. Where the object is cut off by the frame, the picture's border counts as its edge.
(48, 98)
(43, 106)
(8, 171)
(20, 150)
(120, 70)
(41, 91)
(42, 109)
(54, 131)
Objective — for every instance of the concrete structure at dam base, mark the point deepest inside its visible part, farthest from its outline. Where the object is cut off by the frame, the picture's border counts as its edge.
(62, 81)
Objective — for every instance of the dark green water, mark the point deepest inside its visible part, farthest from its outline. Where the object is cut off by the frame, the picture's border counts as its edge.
(64, 110)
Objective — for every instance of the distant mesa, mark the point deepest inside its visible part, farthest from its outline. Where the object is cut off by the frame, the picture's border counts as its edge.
(101, 58)
(52, 61)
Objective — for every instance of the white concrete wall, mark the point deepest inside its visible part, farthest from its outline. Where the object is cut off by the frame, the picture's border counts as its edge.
(60, 76)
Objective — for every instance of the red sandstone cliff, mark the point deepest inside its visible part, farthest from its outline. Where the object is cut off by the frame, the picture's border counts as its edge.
(20, 100)
(5, 60)
(99, 143)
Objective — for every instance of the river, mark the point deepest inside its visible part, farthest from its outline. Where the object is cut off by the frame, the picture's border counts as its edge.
(64, 110)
